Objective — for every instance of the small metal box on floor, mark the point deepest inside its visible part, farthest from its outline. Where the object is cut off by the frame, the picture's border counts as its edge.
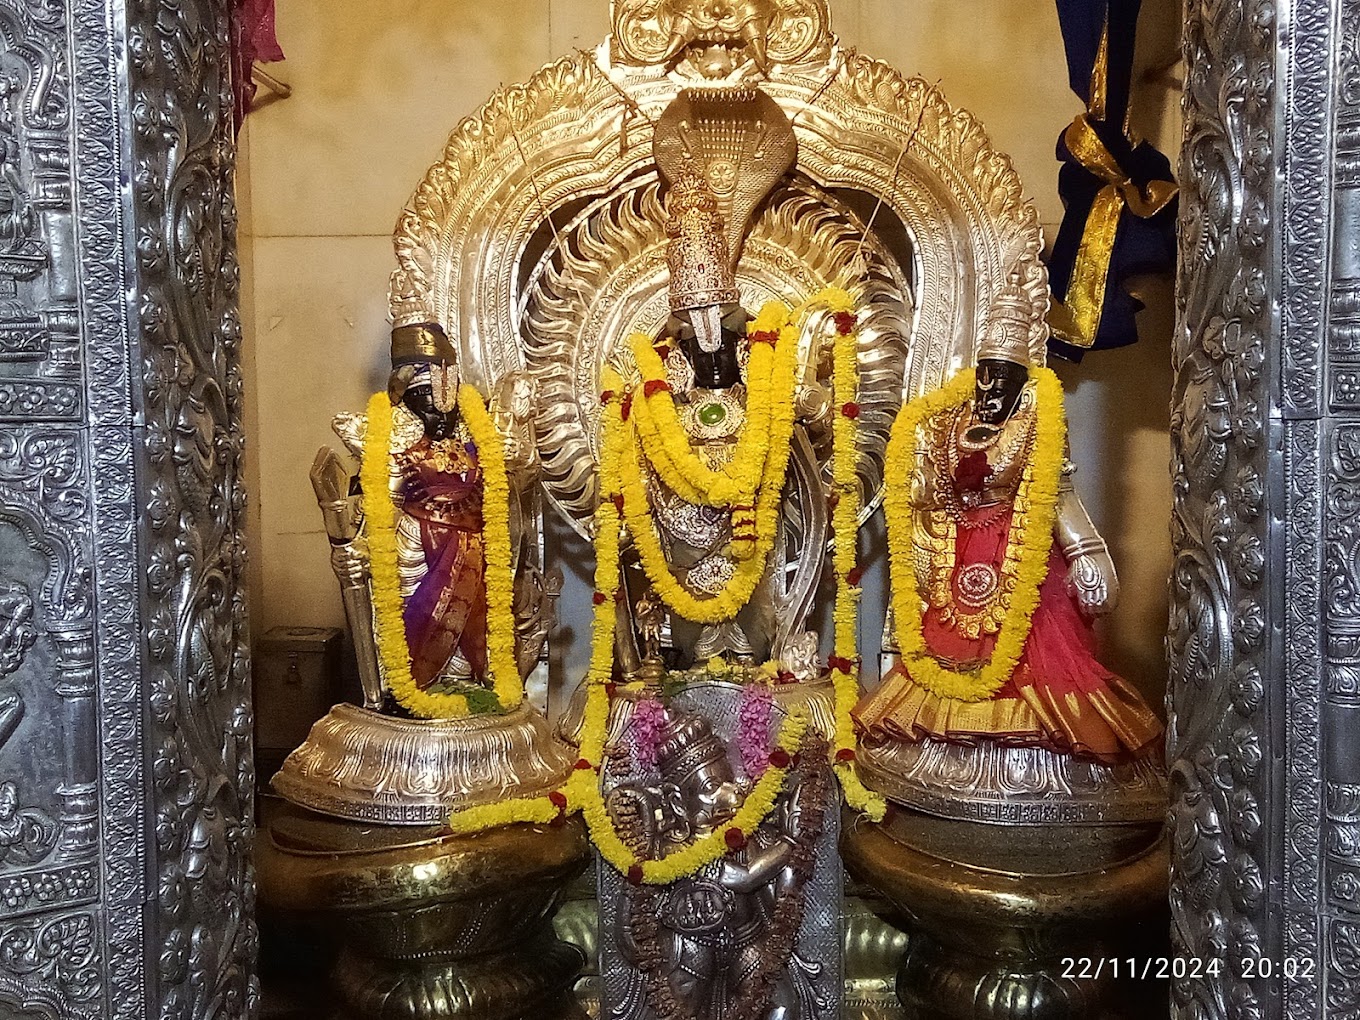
(297, 680)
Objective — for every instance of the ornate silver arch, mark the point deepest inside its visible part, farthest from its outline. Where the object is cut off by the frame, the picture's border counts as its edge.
(581, 128)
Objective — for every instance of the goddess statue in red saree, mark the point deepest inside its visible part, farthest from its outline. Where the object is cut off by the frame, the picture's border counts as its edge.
(970, 504)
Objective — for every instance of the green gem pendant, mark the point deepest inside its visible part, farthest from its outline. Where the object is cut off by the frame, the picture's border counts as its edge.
(712, 414)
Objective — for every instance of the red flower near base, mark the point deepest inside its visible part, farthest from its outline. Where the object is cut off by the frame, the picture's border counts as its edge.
(846, 323)
(654, 386)
(599, 598)
(606, 396)
(855, 577)
(780, 759)
(582, 765)
(735, 838)
(842, 664)
(765, 336)
(635, 874)
(626, 408)
(618, 502)
(558, 800)
(845, 754)
(850, 409)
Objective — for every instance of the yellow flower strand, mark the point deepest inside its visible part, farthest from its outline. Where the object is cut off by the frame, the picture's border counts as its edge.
(582, 787)
(380, 515)
(767, 492)
(845, 532)
(747, 574)
(581, 793)
(666, 444)
(380, 527)
(1034, 537)
(499, 567)
(693, 856)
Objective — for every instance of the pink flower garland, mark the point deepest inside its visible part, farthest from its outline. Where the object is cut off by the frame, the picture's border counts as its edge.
(753, 728)
(649, 717)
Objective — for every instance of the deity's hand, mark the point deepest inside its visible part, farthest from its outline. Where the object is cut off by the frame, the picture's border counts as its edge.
(514, 405)
(350, 561)
(1092, 581)
(516, 396)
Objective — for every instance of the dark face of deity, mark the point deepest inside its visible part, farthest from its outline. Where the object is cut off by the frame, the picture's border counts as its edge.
(720, 369)
(999, 384)
(419, 400)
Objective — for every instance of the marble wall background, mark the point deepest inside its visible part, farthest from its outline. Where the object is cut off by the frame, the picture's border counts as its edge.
(377, 87)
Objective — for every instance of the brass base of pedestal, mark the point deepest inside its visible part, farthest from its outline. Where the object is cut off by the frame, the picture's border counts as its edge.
(433, 927)
(530, 980)
(992, 945)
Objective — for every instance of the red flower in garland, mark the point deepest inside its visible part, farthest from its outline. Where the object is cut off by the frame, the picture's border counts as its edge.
(845, 754)
(558, 799)
(735, 838)
(780, 759)
(855, 577)
(843, 664)
(635, 874)
(654, 386)
(846, 323)
(618, 502)
(626, 408)
(765, 336)
(599, 598)
(606, 396)
(973, 471)
(582, 765)
(850, 409)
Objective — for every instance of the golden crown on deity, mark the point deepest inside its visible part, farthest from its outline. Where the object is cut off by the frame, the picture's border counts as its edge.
(701, 272)
(1006, 337)
(687, 745)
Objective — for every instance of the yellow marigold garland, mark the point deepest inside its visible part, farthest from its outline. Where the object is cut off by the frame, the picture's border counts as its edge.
(1034, 536)
(845, 532)
(380, 529)
(767, 493)
(666, 445)
(499, 567)
(581, 793)
(380, 524)
(581, 789)
(749, 570)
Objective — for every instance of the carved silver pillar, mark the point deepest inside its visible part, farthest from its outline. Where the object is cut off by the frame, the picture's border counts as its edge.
(1265, 629)
(125, 772)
